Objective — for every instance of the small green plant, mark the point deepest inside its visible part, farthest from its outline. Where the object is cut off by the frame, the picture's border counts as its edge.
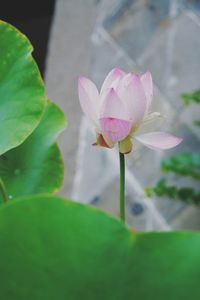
(181, 164)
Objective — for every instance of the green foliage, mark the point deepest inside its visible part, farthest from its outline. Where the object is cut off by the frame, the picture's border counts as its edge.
(183, 164)
(185, 194)
(56, 249)
(22, 93)
(36, 165)
(197, 122)
(194, 97)
(186, 164)
(191, 97)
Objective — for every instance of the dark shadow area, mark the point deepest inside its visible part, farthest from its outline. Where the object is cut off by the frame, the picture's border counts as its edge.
(33, 18)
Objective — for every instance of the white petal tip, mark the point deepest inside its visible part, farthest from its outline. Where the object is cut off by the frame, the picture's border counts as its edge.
(159, 140)
(147, 74)
(82, 80)
(118, 71)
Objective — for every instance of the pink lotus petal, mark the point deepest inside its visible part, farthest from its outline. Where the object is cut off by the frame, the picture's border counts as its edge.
(132, 93)
(115, 129)
(125, 80)
(89, 98)
(148, 88)
(113, 107)
(112, 79)
(159, 140)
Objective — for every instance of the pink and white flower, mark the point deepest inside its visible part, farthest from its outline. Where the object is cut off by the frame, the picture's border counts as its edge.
(120, 109)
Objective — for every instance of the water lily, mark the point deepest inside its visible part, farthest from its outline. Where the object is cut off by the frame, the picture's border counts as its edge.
(118, 112)
(120, 109)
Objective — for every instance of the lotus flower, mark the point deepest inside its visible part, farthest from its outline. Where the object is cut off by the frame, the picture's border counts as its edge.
(120, 109)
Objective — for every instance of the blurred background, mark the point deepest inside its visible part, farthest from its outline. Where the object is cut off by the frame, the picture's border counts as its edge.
(74, 37)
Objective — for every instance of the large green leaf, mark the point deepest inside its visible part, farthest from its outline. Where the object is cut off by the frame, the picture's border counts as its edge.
(22, 94)
(36, 165)
(55, 249)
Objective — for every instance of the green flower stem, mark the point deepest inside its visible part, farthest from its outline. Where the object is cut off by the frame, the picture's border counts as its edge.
(122, 187)
(3, 191)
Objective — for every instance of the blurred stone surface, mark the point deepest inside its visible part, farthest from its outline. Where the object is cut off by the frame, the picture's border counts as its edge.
(69, 56)
(188, 219)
